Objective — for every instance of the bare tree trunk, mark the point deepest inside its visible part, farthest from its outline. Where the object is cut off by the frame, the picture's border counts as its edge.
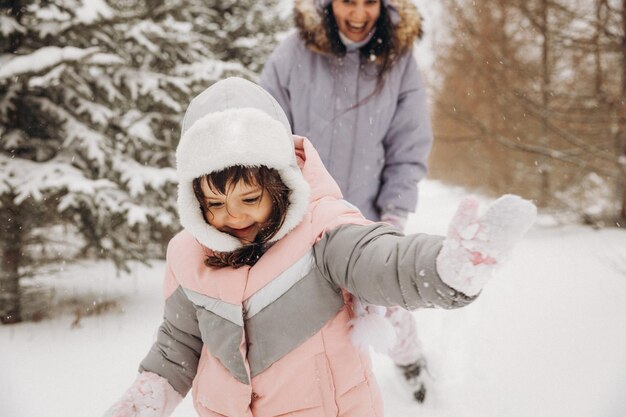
(621, 134)
(12, 252)
(597, 52)
(11, 230)
(544, 164)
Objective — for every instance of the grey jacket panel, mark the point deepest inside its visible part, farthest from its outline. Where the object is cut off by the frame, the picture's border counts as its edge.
(278, 286)
(227, 311)
(176, 352)
(291, 320)
(223, 338)
(377, 151)
(221, 330)
(383, 267)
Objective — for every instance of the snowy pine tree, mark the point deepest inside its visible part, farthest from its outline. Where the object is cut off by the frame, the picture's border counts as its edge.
(91, 98)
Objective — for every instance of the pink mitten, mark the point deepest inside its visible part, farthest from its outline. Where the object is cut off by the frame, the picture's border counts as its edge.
(476, 245)
(149, 396)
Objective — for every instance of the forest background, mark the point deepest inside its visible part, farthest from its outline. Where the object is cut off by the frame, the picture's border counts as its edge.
(527, 96)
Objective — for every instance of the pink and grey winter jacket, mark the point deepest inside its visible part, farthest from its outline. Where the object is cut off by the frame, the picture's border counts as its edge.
(273, 339)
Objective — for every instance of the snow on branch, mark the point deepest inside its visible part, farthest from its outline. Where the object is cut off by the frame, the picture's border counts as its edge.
(137, 125)
(92, 141)
(151, 84)
(104, 59)
(44, 177)
(64, 15)
(43, 59)
(98, 114)
(136, 214)
(211, 70)
(93, 11)
(137, 177)
(8, 26)
(142, 30)
(104, 82)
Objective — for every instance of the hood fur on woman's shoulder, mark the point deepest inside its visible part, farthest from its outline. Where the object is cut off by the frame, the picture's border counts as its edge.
(310, 25)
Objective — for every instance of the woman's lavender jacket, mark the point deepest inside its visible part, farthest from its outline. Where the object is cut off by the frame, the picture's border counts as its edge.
(377, 151)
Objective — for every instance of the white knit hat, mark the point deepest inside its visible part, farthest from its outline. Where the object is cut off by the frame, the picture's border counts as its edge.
(235, 122)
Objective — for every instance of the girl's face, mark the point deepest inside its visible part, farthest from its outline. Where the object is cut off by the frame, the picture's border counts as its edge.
(356, 18)
(240, 213)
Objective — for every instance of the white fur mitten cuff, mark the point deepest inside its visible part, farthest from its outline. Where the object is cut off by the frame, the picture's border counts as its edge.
(370, 328)
(476, 245)
(149, 396)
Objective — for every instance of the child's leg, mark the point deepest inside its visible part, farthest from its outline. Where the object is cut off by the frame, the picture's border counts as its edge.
(407, 351)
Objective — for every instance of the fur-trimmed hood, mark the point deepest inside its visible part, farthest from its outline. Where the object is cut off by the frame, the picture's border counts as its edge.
(235, 122)
(309, 22)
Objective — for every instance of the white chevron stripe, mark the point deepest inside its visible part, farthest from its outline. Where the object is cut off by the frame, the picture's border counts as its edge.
(279, 285)
(230, 312)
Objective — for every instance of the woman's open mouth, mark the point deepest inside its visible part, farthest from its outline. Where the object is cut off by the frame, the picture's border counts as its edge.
(356, 27)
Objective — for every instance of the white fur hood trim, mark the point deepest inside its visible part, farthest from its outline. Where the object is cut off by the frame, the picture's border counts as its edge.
(245, 136)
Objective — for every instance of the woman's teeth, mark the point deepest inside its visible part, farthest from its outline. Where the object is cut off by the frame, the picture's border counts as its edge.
(356, 26)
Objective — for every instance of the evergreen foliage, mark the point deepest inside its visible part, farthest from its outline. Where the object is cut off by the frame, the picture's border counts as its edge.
(92, 93)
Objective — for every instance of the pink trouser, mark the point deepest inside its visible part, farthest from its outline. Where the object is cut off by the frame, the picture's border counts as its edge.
(407, 349)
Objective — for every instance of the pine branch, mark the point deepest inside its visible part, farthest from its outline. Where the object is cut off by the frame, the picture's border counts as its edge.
(43, 59)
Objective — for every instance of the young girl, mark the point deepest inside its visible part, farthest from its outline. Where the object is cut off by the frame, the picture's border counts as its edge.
(349, 82)
(260, 283)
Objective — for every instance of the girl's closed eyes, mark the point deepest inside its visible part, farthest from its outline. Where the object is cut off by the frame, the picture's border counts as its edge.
(245, 200)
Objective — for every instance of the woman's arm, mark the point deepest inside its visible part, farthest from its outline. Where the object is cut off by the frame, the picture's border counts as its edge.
(275, 75)
(407, 145)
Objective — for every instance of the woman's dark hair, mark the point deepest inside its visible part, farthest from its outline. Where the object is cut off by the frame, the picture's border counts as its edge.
(270, 182)
(382, 48)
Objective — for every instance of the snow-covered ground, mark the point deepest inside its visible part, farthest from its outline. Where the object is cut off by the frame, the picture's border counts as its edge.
(547, 338)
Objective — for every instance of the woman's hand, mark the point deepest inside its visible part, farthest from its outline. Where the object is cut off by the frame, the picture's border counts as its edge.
(476, 245)
(396, 220)
(149, 396)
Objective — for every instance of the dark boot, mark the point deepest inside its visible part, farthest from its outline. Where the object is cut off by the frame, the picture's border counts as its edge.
(412, 373)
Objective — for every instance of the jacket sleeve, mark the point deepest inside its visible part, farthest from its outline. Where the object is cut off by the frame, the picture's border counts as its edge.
(275, 77)
(407, 145)
(381, 266)
(176, 351)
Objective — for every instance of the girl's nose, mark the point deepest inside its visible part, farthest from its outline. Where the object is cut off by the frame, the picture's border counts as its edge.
(235, 213)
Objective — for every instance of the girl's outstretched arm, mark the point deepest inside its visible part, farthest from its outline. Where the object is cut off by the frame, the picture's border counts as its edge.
(380, 266)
